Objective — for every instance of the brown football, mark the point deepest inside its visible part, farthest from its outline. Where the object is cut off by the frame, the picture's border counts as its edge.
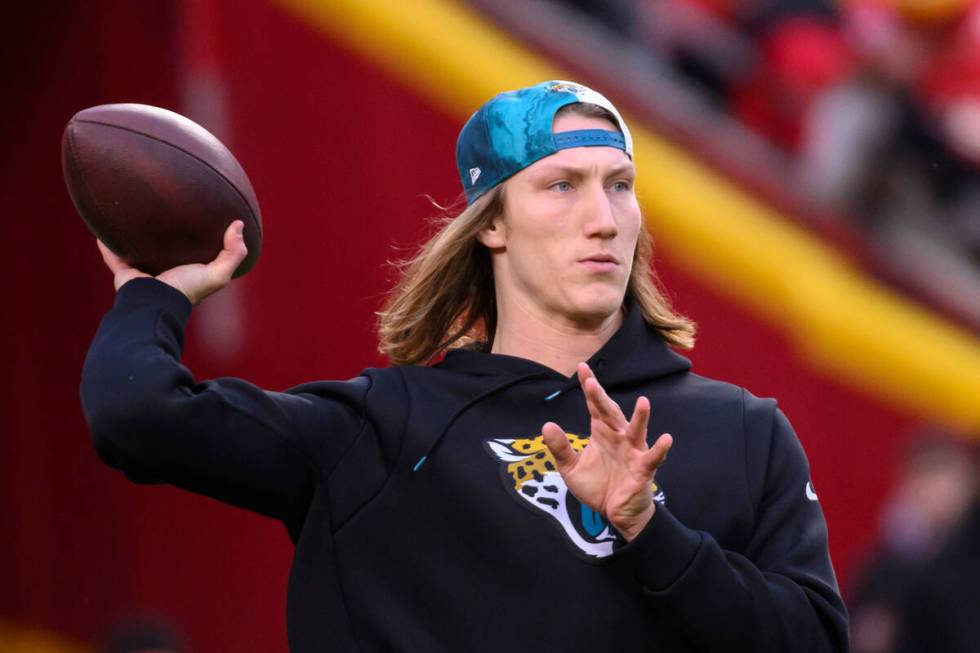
(157, 188)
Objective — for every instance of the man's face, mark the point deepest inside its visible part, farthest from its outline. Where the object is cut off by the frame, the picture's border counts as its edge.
(563, 247)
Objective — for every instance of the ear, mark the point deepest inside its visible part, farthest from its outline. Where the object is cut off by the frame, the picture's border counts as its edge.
(493, 236)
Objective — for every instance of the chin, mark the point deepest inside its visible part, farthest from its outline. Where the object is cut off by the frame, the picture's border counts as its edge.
(597, 307)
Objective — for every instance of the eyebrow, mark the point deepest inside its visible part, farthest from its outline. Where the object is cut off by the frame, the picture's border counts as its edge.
(573, 171)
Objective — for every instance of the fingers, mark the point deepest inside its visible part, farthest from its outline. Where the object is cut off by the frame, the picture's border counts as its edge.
(232, 253)
(657, 454)
(121, 270)
(113, 262)
(584, 372)
(636, 432)
(603, 408)
(599, 403)
(557, 443)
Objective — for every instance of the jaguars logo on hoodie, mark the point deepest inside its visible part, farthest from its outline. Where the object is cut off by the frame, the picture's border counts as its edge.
(530, 475)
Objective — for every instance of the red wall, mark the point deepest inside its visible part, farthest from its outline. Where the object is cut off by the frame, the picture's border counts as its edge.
(340, 155)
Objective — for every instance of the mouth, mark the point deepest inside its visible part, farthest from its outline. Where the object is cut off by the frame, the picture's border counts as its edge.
(601, 262)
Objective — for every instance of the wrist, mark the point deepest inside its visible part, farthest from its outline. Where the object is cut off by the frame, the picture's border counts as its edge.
(148, 289)
(631, 528)
(177, 283)
(124, 277)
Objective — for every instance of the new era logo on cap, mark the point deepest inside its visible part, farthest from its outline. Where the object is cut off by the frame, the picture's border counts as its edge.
(571, 87)
(474, 175)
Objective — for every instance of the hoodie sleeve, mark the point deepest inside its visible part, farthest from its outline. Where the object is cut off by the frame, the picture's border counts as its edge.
(224, 438)
(779, 593)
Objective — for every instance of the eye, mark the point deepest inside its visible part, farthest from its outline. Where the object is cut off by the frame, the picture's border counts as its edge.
(561, 186)
(622, 185)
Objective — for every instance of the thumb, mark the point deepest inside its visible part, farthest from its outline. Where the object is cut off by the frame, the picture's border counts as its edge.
(232, 253)
(557, 443)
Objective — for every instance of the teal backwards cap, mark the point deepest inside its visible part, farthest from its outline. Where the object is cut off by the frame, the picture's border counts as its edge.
(513, 130)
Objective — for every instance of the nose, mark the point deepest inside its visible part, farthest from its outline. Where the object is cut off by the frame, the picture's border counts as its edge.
(599, 216)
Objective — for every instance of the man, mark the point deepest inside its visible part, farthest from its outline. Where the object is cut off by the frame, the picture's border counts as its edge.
(441, 507)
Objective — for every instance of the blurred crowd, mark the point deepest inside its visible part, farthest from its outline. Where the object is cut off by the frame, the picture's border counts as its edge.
(877, 101)
(919, 588)
(144, 632)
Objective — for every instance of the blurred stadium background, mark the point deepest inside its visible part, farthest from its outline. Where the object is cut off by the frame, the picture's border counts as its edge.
(808, 169)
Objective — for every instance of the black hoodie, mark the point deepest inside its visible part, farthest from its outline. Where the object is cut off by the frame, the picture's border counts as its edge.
(427, 515)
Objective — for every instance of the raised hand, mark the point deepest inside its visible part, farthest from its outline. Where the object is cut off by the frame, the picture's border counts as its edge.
(612, 475)
(195, 280)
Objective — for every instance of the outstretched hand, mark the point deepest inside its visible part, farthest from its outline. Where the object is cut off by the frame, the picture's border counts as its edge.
(612, 475)
(195, 280)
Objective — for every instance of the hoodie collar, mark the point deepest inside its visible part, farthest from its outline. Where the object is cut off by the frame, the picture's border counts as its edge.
(635, 354)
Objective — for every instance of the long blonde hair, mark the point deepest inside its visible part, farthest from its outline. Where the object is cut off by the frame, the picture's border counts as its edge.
(446, 298)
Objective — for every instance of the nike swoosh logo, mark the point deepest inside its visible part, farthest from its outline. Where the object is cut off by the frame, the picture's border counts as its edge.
(810, 493)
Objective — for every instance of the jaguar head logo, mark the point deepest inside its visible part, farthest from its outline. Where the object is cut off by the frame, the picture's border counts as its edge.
(530, 475)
